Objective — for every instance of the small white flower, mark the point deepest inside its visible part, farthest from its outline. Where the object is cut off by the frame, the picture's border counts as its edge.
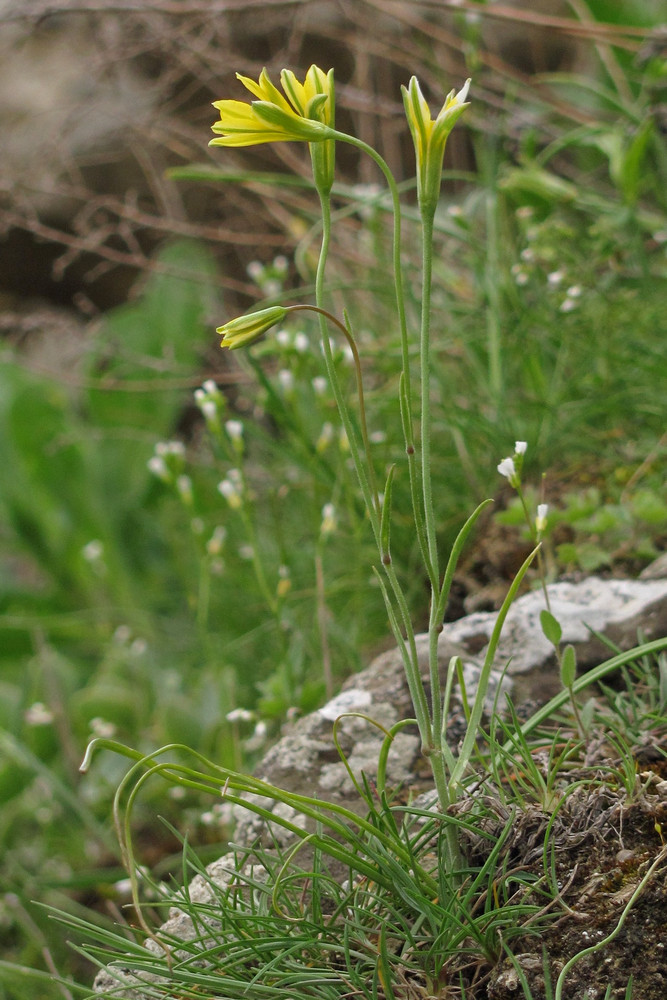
(234, 429)
(258, 737)
(216, 541)
(138, 647)
(507, 469)
(325, 438)
(255, 270)
(122, 635)
(271, 288)
(527, 254)
(281, 264)
(283, 338)
(184, 487)
(164, 448)
(93, 551)
(301, 342)
(102, 727)
(286, 379)
(555, 278)
(240, 715)
(320, 385)
(541, 519)
(567, 305)
(210, 387)
(158, 467)
(329, 520)
(38, 715)
(209, 410)
(520, 447)
(246, 552)
(230, 492)
(574, 291)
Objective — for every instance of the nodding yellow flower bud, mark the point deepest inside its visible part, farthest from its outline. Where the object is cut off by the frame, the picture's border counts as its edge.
(246, 329)
(430, 137)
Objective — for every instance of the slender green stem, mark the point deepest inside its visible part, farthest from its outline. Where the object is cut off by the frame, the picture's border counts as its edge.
(360, 391)
(406, 379)
(366, 489)
(425, 400)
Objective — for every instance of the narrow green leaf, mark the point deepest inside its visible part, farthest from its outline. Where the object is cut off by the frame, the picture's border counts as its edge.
(385, 521)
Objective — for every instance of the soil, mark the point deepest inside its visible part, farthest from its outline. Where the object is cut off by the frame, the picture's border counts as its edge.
(600, 849)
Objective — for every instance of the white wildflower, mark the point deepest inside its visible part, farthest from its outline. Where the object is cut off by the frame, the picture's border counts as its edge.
(93, 551)
(541, 519)
(507, 469)
(329, 520)
(38, 715)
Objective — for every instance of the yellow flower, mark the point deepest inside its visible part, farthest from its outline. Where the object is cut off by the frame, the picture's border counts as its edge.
(246, 329)
(272, 118)
(430, 136)
(314, 99)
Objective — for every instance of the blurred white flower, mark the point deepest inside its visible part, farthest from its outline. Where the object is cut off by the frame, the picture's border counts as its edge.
(507, 469)
(184, 487)
(234, 429)
(93, 551)
(158, 467)
(520, 447)
(102, 728)
(541, 519)
(240, 715)
(329, 520)
(325, 438)
(38, 715)
(258, 738)
(231, 493)
(301, 342)
(216, 541)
